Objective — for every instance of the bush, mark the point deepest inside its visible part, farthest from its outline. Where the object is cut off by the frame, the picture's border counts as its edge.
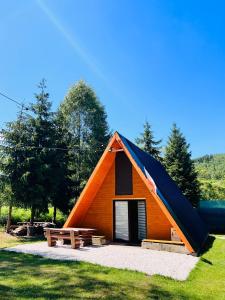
(3, 220)
(23, 215)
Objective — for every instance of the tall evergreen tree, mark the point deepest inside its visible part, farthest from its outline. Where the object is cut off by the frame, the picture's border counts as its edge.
(12, 157)
(34, 159)
(86, 120)
(37, 176)
(147, 142)
(178, 163)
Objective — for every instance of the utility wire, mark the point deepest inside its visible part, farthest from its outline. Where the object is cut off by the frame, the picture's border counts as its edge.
(13, 100)
(23, 107)
(40, 147)
(18, 104)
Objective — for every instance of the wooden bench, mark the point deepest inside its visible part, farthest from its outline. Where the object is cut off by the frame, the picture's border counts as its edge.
(54, 234)
(98, 240)
(164, 242)
(164, 245)
(85, 234)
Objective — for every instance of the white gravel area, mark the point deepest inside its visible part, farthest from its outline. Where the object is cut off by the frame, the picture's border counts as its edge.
(174, 265)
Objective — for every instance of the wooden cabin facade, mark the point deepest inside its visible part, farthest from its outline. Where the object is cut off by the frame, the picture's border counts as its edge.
(109, 205)
(122, 202)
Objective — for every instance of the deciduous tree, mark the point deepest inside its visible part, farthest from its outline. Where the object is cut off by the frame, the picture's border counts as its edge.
(86, 120)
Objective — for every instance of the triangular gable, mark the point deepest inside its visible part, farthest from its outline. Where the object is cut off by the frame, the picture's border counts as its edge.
(139, 160)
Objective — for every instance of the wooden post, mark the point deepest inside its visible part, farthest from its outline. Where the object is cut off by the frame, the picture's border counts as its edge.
(49, 239)
(9, 220)
(54, 214)
(72, 238)
(30, 230)
(32, 215)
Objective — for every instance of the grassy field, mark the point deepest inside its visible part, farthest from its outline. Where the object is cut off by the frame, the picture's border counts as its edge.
(26, 276)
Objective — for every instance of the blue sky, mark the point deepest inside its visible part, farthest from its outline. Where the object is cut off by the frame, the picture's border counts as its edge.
(155, 60)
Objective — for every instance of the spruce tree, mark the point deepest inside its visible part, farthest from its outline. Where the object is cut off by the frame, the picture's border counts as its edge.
(34, 159)
(86, 120)
(36, 171)
(147, 142)
(12, 156)
(179, 165)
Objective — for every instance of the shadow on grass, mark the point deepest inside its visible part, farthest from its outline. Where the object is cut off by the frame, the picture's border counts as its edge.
(158, 293)
(25, 276)
(208, 245)
(206, 261)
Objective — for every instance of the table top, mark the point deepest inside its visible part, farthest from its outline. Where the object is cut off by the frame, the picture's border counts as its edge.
(35, 223)
(72, 228)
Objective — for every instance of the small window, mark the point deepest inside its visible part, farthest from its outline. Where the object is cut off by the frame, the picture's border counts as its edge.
(123, 175)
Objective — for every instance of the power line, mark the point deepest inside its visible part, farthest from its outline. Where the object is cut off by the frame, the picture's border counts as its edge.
(33, 147)
(47, 148)
(21, 105)
(13, 100)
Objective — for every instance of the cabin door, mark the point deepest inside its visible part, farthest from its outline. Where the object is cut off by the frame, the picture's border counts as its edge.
(129, 220)
(121, 225)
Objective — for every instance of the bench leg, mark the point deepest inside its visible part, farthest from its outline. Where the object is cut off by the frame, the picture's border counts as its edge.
(75, 243)
(51, 242)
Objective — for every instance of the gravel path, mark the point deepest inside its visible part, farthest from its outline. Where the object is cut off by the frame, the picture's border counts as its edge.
(174, 265)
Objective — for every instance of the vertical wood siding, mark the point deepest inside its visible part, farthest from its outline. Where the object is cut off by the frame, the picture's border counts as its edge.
(100, 212)
(141, 220)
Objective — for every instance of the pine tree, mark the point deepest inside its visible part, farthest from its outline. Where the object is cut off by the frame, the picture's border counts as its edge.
(34, 159)
(179, 165)
(147, 142)
(28, 157)
(86, 120)
(37, 176)
(12, 156)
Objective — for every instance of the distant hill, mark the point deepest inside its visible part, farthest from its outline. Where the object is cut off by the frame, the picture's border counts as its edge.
(211, 174)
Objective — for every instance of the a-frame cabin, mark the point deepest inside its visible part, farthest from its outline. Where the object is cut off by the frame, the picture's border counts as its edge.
(130, 197)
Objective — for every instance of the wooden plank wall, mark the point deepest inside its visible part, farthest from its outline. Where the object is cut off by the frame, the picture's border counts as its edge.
(100, 213)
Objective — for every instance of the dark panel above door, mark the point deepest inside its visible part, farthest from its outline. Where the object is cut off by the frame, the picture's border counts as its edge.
(123, 175)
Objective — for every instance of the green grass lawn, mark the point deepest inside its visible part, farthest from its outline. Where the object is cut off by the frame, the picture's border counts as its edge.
(26, 277)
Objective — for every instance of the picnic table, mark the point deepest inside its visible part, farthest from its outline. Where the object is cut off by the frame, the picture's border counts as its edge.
(76, 236)
(35, 223)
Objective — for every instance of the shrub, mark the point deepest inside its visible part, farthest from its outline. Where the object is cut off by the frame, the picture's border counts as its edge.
(23, 215)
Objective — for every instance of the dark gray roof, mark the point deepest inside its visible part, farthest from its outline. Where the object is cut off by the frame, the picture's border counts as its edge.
(179, 207)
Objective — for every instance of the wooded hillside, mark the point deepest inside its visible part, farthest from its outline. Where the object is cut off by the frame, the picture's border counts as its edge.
(211, 174)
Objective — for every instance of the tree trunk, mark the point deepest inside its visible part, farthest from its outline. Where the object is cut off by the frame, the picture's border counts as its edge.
(0, 211)
(9, 220)
(32, 216)
(54, 214)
